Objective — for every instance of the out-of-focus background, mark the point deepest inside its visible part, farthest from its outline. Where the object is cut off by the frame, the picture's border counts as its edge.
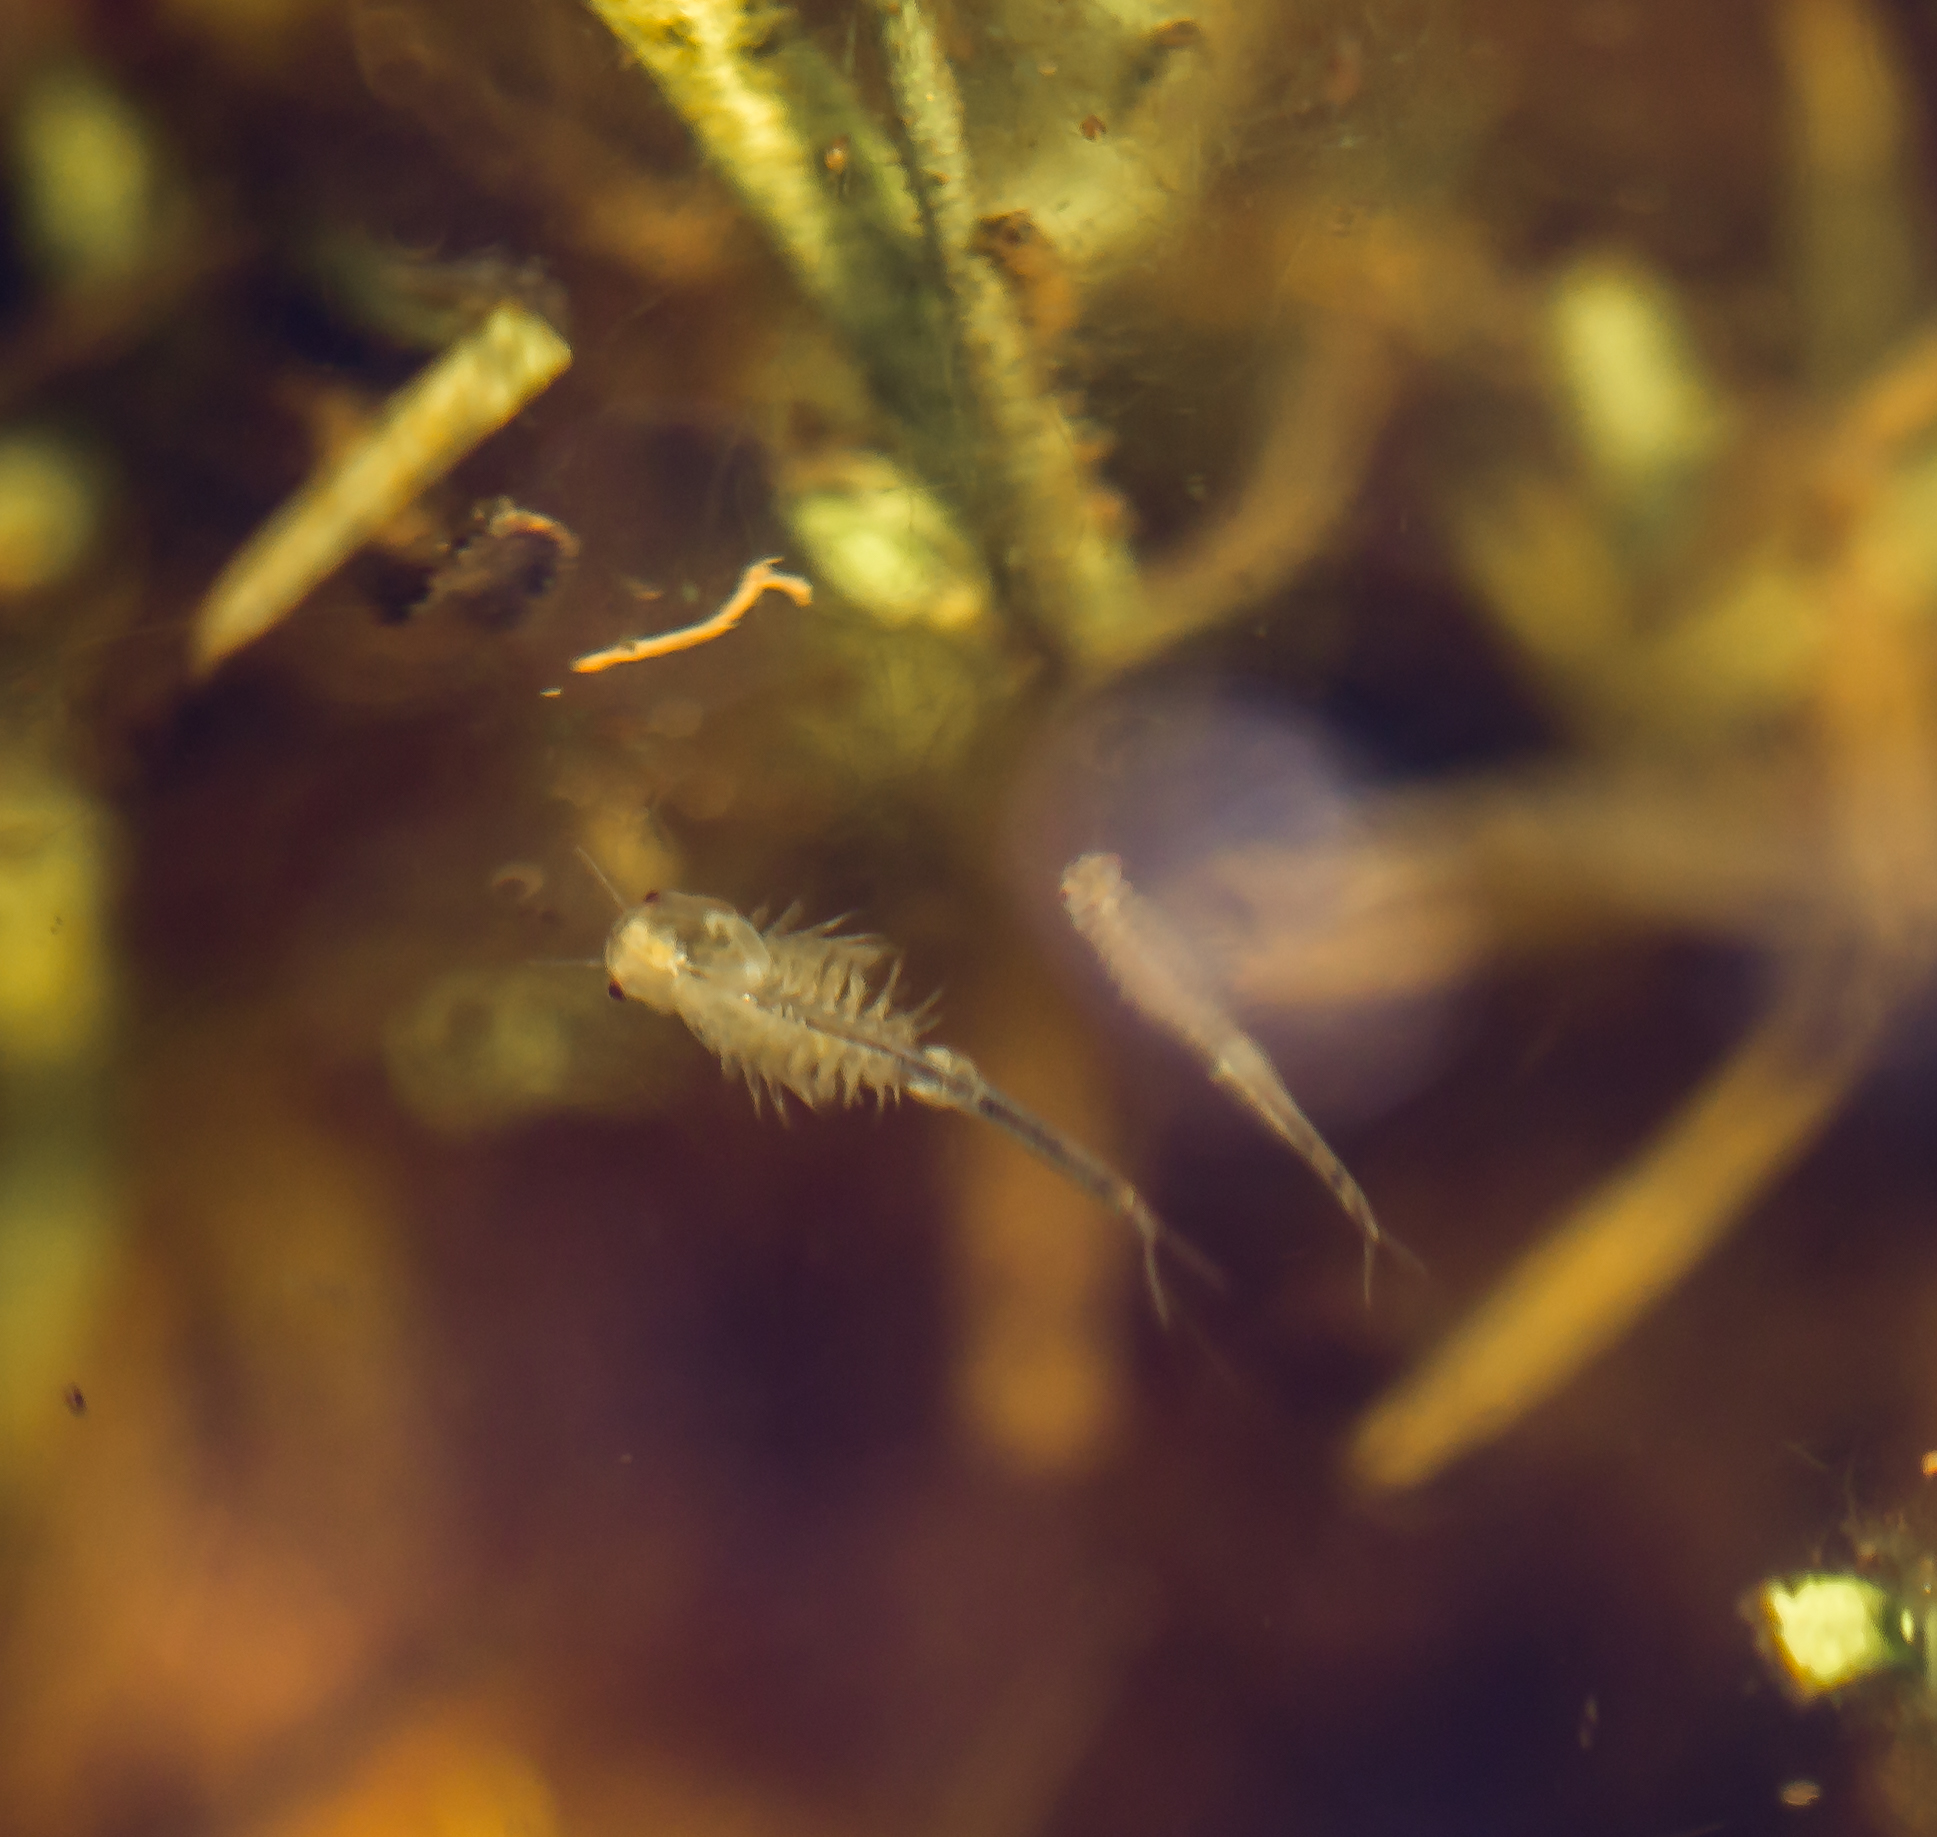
(1448, 492)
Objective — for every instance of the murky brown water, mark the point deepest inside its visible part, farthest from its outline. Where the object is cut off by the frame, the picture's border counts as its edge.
(1442, 491)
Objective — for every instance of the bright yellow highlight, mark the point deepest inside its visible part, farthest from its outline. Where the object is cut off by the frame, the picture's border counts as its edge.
(1828, 1630)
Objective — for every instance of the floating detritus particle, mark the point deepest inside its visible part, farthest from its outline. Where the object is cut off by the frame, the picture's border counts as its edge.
(518, 883)
(761, 577)
(504, 565)
(459, 400)
(1045, 294)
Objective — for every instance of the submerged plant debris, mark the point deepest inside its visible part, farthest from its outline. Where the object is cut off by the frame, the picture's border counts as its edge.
(1442, 489)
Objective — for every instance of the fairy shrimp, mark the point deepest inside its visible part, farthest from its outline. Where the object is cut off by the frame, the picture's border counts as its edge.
(1158, 975)
(811, 1012)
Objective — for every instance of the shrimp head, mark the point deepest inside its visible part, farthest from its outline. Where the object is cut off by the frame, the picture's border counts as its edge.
(672, 944)
(1091, 883)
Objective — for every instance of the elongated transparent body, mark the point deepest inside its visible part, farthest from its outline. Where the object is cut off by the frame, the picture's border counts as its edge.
(811, 1012)
(1155, 970)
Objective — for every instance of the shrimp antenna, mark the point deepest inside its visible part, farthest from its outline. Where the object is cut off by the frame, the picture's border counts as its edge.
(599, 874)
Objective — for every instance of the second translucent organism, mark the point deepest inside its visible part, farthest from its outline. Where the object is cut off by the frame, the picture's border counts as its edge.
(1155, 970)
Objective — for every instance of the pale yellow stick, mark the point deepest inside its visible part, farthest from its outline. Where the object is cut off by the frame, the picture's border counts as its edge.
(758, 579)
(1580, 1289)
(1849, 191)
(459, 401)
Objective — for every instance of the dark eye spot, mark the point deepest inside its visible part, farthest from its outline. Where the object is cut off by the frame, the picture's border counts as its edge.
(651, 898)
(613, 989)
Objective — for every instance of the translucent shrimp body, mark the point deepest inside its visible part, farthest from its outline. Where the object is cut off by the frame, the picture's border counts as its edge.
(809, 1012)
(1157, 974)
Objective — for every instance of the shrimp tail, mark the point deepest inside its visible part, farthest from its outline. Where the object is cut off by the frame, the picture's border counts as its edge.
(953, 1083)
(1243, 1069)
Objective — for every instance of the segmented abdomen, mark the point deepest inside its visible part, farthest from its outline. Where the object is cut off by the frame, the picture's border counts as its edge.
(818, 1027)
